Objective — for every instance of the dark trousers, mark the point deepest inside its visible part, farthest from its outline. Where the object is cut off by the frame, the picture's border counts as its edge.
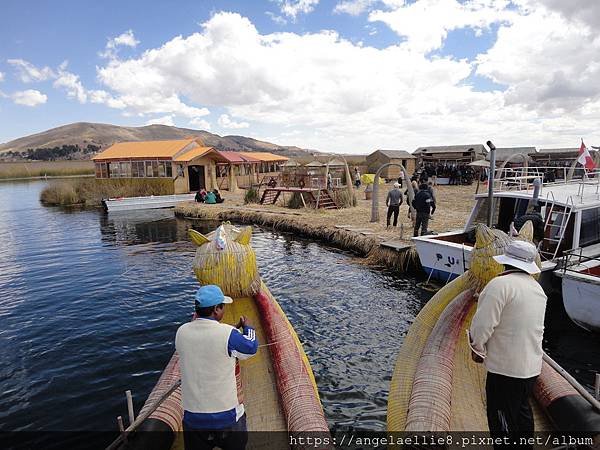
(234, 438)
(421, 221)
(508, 410)
(393, 209)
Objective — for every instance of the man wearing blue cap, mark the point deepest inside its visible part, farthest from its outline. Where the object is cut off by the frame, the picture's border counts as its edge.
(213, 416)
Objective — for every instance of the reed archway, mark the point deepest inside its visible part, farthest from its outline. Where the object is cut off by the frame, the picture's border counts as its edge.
(375, 195)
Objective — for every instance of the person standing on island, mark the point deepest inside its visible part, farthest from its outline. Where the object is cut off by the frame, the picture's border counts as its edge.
(213, 415)
(424, 204)
(393, 202)
(506, 333)
(356, 178)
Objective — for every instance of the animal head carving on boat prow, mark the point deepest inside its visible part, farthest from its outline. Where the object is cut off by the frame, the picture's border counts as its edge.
(225, 257)
(491, 242)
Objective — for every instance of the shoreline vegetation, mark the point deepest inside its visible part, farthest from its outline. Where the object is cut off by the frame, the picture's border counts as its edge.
(45, 169)
(90, 191)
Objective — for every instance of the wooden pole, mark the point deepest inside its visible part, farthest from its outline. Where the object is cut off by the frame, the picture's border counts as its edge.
(578, 387)
(140, 419)
(130, 406)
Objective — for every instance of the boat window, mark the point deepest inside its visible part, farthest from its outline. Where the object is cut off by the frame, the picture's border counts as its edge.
(590, 227)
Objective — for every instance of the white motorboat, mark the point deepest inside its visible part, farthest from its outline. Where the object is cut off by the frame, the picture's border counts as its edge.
(570, 209)
(150, 202)
(581, 287)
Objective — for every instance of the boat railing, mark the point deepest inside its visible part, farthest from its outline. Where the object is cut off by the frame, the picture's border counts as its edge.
(575, 258)
(522, 177)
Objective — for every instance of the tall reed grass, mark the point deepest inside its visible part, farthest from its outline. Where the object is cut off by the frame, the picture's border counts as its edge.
(36, 169)
(90, 192)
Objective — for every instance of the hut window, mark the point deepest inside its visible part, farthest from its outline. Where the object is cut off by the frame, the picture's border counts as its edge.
(148, 168)
(114, 170)
(125, 169)
(104, 170)
(155, 169)
(137, 169)
(98, 170)
(169, 169)
(161, 169)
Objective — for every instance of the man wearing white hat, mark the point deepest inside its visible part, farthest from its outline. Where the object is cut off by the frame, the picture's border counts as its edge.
(506, 335)
(213, 415)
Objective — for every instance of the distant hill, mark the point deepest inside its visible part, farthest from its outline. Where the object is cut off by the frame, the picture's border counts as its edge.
(102, 135)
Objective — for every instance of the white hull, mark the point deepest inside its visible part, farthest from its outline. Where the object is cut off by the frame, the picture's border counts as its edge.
(581, 298)
(443, 260)
(152, 202)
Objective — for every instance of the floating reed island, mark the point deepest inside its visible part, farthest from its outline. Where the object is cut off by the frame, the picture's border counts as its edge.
(334, 225)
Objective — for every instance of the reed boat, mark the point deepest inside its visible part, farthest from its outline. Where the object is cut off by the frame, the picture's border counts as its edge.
(580, 275)
(436, 387)
(570, 207)
(277, 385)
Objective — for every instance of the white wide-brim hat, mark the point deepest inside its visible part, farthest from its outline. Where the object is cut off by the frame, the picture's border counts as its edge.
(520, 254)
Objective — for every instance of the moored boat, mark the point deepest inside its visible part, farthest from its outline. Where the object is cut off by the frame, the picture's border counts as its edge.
(581, 287)
(277, 385)
(569, 210)
(149, 202)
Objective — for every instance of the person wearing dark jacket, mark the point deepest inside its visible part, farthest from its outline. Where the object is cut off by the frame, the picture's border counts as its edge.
(424, 204)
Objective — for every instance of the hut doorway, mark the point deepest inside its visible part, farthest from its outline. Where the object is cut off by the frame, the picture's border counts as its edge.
(196, 177)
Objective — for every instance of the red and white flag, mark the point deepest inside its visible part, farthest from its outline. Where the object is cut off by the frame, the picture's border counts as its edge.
(585, 159)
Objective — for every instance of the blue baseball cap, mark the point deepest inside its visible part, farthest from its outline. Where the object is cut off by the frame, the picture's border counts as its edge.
(211, 295)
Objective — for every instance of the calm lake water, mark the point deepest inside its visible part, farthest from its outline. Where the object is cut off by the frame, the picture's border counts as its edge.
(89, 306)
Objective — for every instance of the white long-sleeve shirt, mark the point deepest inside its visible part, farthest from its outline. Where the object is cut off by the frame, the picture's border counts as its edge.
(509, 325)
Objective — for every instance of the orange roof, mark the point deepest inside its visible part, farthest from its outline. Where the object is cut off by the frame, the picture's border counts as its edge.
(195, 153)
(144, 149)
(264, 156)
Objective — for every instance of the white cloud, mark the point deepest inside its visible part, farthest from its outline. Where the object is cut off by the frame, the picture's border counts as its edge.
(126, 39)
(353, 7)
(277, 19)
(1, 76)
(28, 73)
(226, 122)
(426, 23)
(165, 120)
(30, 97)
(71, 83)
(200, 123)
(293, 8)
(587, 11)
(548, 62)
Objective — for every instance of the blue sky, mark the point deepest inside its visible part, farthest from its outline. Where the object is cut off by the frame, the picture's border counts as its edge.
(336, 75)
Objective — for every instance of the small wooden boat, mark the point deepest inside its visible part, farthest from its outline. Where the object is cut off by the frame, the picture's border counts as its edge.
(277, 385)
(581, 287)
(149, 202)
(437, 388)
